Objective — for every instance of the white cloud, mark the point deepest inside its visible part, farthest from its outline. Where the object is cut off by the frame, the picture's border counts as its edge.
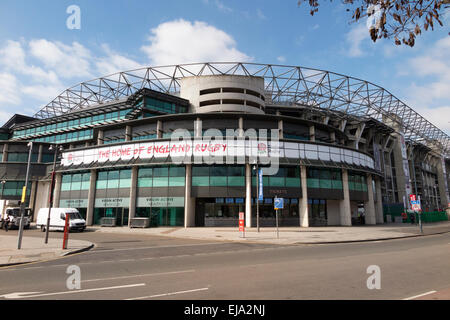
(429, 93)
(219, 5)
(114, 62)
(354, 40)
(181, 41)
(281, 59)
(67, 61)
(260, 14)
(8, 90)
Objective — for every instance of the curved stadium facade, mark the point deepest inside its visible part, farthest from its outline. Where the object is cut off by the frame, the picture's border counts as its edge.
(182, 145)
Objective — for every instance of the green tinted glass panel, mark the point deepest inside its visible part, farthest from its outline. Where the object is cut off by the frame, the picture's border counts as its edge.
(160, 181)
(145, 182)
(218, 181)
(313, 183)
(276, 182)
(176, 181)
(292, 182)
(200, 181)
(236, 181)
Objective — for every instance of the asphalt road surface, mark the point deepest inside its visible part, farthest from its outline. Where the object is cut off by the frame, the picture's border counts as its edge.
(124, 266)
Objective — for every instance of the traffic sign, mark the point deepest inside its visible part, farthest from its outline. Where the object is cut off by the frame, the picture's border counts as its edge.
(278, 203)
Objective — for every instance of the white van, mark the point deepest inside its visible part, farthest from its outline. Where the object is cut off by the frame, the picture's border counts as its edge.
(58, 219)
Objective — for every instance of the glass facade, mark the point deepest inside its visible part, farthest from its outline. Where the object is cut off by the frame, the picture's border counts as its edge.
(162, 210)
(218, 176)
(357, 181)
(13, 189)
(75, 182)
(112, 196)
(320, 178)
(288, 177)
(71, 125)
(163, 106)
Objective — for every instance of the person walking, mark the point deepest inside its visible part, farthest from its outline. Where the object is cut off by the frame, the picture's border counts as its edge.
(6, 223)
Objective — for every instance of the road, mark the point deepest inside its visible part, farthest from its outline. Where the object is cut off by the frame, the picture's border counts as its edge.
(125, 266)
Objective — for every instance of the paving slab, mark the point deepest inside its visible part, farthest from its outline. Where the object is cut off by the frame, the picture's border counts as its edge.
(292, 235)
(34, 249)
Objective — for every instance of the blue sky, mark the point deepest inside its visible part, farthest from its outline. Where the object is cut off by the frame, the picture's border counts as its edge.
(40, 56)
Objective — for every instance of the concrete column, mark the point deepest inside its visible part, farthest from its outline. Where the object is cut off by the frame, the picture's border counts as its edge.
(312, 133)
(333, 137)
(33, 195)
(100, 137)
(344, 205)
(41, 149)
(443, 192)
(56, 196)
(369, 206)
(5, 153)
(159, 129)
(133, 191)
(128, 133)
(280, 129)
(248, 195)
(189, 202)
(91, 198)
(378, 202)
(304, 214)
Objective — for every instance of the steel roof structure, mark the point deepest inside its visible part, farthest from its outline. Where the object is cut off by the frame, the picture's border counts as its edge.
(286, 85)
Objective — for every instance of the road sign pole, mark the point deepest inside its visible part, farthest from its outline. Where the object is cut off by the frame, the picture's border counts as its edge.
(420, 217)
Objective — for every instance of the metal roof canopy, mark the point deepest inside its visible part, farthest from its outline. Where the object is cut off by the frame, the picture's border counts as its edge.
(283, 84)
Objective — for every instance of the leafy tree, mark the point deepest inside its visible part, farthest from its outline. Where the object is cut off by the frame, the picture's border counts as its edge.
(394, 19)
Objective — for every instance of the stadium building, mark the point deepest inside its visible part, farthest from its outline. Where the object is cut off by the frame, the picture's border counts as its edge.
(182, 145)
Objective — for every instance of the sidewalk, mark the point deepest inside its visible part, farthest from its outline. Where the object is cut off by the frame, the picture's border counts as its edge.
(293, 235)
(34, 249)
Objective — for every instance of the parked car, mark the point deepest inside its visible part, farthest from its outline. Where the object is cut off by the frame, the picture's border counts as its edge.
(58, 219)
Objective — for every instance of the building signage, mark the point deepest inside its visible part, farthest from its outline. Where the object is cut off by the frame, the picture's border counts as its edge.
(73, 203)
(147, 202)
(214, 151)
(112, 203)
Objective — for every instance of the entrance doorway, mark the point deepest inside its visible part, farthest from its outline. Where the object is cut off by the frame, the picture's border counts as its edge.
(121, 215)
(220, 212)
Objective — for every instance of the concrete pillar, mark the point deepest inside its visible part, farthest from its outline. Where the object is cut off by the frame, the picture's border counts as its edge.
(189, 202)
(378, 202)
(333, 137)
(41, 149)
(312, 133)
(442, 186)
(248, 195)
(344, 205)
(57, 194)
(91, 198)
(369, 206)
(133, 189)
(128, 133)
(100, 137)
(159, 129)
(33, 194)
(304, 214)
(280, 129)
(5, 153)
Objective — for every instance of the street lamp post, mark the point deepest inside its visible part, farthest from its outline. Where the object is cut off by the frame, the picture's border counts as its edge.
(24, 195)
(52, 186)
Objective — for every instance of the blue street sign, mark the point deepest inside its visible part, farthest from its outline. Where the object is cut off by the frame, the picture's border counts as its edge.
(260, 192)
(278, 204)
